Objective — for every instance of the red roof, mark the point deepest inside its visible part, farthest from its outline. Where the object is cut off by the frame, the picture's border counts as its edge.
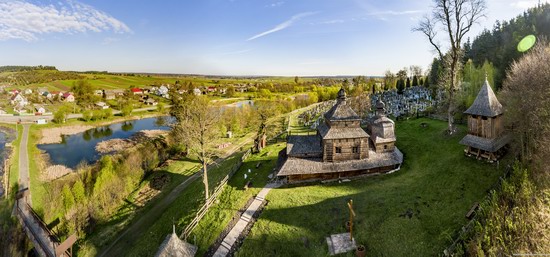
(67, 95)
(136, 90)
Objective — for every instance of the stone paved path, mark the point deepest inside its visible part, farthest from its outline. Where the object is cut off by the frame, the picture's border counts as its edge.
(246, 218)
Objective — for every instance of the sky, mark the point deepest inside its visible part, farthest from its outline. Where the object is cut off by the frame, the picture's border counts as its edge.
(225, 37)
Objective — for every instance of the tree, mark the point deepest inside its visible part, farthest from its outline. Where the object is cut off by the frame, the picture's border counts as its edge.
(127, 108)
(68, 198)
(408, 83)
(161, 108)
(195, 128)
(455, 18)
(296, 79)
(87, 115)
(525, 95)
(78, 192)
(84, 93)
(60, 116)
(415, 81)
(230, 91)
(389, 80)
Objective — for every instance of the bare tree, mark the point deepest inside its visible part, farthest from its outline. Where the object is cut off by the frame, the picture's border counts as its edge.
(525, 95)
(195, 128)
(455, 18)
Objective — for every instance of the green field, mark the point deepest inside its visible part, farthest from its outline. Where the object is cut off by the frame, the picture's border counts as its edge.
(412, 212)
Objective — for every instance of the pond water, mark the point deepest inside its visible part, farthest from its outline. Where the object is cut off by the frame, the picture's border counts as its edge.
(81, 147)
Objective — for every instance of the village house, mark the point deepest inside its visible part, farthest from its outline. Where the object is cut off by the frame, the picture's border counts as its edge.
(211, 89)
(136, 91)
(102, 105)
(39, 109)
(68, 97)
(13, 92)
(197, 91)
(98, 92)
(486, 136)
(19, 99)
(150, 101)
(27, 91)
(109, 95)
(162, 91)
(341, 148)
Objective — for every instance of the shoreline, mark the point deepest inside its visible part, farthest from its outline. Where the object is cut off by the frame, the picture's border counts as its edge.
(55, 135)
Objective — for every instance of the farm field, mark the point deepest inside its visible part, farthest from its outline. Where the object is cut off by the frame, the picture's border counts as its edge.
(412, 212)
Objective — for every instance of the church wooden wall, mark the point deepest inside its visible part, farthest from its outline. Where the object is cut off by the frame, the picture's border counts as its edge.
(346, 145)
(379, 148)
(486, 128)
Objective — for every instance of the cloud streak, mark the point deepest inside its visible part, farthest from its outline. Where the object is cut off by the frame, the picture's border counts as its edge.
(27, 21)
(282, 26)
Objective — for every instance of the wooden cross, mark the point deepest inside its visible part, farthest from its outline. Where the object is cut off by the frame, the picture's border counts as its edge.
(351, 215)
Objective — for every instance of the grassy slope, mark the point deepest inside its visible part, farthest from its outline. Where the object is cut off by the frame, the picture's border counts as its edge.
(181, 212)
(38, 189)
(437, 183)
(14, 161)
(235, 197)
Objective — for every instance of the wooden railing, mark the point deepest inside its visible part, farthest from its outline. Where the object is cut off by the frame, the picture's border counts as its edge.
(217, 191)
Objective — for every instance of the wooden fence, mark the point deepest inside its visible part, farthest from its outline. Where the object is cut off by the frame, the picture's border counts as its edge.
(217, 191)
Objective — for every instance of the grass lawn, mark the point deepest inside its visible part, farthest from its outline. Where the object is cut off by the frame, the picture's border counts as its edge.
(14, 160)
(437, 185)
(38, 189)
(294, 125)
(180, 212)
(234, 197)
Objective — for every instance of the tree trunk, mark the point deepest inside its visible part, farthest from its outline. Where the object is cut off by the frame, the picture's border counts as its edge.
(205, 179)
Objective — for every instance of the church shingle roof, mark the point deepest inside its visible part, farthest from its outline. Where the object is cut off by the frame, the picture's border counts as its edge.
(486, 103)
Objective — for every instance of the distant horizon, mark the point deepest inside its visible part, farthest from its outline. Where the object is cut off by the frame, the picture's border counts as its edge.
(303, 38)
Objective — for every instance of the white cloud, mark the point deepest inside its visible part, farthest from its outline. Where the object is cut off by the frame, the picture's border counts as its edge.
(276, 4)
(282, 26)
(25, 20)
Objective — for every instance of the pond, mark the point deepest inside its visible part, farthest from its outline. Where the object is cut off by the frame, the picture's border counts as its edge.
(80, 147)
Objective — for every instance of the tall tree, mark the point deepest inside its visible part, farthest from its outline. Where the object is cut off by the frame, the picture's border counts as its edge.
(195, 128)
(455, 18)
(389, 80)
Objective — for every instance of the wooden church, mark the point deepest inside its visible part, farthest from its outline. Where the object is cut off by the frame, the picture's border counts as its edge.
(341, 148)
(486, 137)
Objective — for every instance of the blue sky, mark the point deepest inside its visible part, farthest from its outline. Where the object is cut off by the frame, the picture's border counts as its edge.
(224, 37)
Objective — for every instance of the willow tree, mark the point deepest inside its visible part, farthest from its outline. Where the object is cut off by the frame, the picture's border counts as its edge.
(195, 129)
(454, 18)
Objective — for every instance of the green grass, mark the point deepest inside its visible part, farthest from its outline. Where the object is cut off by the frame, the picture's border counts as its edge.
(14, 160)
(181, 212)
(38, 190)
(295, 127)
(437, 183)
(235, 197)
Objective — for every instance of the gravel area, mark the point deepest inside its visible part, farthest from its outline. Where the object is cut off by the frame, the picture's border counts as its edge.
(54, 135)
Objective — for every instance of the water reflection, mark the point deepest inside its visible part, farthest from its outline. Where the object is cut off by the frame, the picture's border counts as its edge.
(81, 147)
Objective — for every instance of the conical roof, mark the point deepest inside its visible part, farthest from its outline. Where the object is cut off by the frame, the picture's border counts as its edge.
(486, 103)
(175, 247)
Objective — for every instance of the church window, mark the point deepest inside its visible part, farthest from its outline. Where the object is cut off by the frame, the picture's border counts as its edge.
(355, 149)
(338, 149)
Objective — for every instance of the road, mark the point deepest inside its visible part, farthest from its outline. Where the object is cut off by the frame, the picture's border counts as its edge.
(24, 178)
(34, 118)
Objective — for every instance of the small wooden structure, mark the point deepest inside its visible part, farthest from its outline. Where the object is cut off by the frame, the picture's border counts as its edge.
(486, 137)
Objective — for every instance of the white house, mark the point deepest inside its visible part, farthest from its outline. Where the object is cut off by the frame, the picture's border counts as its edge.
(27, 91)
(197, 91)
(102, 105)
(39, 109)
(162, 91)
(98, 92)
(19, 99)
(68, 97)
